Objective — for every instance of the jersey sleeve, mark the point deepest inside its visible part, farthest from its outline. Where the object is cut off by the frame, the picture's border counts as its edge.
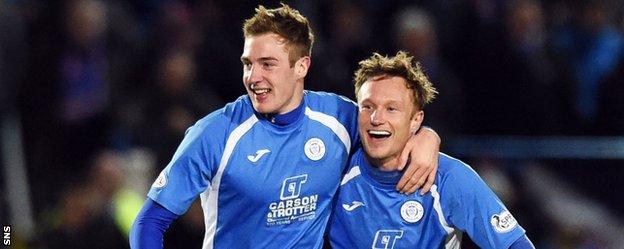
(472, 207)
(340, 107)
(348, 115)
(193, 165)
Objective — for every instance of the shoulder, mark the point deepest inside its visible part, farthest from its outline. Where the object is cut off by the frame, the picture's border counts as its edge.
(353, 171)
(239, 110)
(450, 165)
(223, 120)
(337, 111)
(455, 170)
(329, 102)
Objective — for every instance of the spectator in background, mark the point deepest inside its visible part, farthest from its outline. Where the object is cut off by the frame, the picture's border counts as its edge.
(415, 32)
(532, 80)
(611, 100)
(82, 55)
(477, 61)
(347, 41)
(12, 64)
(87, 212)
(12, 56)
(176, 28)
(84, 86)
(219, 40)
(176, 103)
(592, 48)
(510, 80)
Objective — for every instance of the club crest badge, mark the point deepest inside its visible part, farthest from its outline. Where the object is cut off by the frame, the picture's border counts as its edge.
(314, 149)
(412, 211)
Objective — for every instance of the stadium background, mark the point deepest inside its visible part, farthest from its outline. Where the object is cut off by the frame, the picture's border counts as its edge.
(96, 95)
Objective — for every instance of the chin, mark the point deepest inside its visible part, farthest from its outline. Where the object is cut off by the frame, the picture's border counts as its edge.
(262, 108)
(376, 153)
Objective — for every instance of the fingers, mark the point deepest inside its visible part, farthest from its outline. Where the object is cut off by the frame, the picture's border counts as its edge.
(419, 182)
(404, 155)
(414, 181)
(430, 180)
(420, 172)
(405, 178)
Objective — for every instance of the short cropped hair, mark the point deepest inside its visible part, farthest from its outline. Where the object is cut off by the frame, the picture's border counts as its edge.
(285, 22)
(400, 65)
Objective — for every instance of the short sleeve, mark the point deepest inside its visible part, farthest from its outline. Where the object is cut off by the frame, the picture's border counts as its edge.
(192, 167)
(472, 207)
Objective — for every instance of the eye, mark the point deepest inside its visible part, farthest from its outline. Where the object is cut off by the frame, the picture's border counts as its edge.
(392, 109)
(268, 65)
(365, 107)
(246, 64)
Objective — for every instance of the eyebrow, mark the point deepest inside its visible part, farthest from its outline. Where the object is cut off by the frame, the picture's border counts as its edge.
(389, 102)
(268, 58)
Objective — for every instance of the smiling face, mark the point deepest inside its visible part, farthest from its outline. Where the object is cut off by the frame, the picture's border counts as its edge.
(387, 117)
(273, 84)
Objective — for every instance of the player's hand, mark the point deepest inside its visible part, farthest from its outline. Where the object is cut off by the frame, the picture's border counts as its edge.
(422, 150)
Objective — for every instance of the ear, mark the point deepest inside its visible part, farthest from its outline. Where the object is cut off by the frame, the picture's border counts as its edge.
(302, 65)
(416, 121)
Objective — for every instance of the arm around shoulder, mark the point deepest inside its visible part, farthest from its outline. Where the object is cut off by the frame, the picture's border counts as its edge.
(423, 149)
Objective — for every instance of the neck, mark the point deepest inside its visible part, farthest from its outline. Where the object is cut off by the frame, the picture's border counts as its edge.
(387, 176)
(288, 117)
(384, 164)
(295, 100)
(296, 103)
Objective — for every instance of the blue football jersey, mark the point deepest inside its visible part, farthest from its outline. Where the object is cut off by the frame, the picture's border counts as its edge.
(370, 213)
(262, 185)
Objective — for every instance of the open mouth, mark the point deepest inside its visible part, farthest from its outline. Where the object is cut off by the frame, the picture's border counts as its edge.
(259, 90)
(379, 134)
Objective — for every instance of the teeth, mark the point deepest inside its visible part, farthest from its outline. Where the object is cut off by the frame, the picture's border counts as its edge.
(379, 133)
(261, 91)
(258, 90)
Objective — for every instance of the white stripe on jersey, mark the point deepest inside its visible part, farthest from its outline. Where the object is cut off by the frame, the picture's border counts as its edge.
(453, 238)
(353, 172)
(453, 241)
(210, 197)
(438, 209)
(333, 124)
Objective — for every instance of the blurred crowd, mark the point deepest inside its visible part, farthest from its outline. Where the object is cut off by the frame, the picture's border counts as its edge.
(105, 89)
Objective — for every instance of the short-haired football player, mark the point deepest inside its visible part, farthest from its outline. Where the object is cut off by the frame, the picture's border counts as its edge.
(370, 213)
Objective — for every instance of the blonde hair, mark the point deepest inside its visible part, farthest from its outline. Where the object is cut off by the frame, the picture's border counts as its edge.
(400, 65)
(285, 22)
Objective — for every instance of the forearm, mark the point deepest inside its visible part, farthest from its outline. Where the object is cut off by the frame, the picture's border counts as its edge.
(150, 225)
(430, 135)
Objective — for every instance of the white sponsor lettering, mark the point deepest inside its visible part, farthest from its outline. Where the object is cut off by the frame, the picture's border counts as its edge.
(287, 211)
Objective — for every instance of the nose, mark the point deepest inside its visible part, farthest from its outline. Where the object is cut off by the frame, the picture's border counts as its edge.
(377, 117)
(253, 74)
